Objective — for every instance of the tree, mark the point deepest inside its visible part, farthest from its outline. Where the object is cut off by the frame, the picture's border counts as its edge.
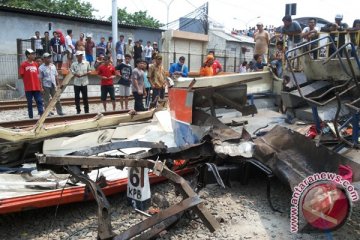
(139, 18)
(71, 7)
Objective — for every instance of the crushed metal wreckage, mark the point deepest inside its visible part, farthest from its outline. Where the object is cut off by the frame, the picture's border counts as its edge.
(203, 130)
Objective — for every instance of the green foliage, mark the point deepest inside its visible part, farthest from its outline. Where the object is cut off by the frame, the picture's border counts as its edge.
(139, 18)
(71, 7)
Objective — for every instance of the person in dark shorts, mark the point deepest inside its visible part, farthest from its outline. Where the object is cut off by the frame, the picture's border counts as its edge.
(107, 73)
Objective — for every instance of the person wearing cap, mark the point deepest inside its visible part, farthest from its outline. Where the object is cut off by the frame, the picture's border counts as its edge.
(106, 72)
(341, 27)
(178, 69)
(207, 69)
(124, 71)
(89, 49)
(56, 49)
(262, 41)
(138, 86)
(157, 78)
(216, 65)
(148, 49)
(80, 69)
(49, 80)
(30, 74)
(129, 48)
(155, 48)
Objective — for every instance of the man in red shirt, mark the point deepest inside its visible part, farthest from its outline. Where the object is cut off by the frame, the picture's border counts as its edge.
(30, 75)
(107, 73)
(217, 67)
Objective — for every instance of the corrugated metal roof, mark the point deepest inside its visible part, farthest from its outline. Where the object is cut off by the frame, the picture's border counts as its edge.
(225, 36)
(243, 38)
(232, 38)
(44, 13)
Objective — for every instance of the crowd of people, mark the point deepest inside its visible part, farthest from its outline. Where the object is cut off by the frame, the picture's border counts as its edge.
(291, 35)
(147, 74)
(145, 78)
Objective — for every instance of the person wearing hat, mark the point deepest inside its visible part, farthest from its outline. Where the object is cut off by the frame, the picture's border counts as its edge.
(106, 72)
(80, 69)
(341, 27)
(138, 86)
(129, 48)
(157, 78)
(49, 80)
(216, 65)
(207, 69)
(30, 74)
(262, 41)
(338, 38)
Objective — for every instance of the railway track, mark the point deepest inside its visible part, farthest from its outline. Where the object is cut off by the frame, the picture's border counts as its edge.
(22, 103)
(22, 124)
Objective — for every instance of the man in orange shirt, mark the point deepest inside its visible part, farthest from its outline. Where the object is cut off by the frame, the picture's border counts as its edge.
(107, 73)
(207, 67)
(30, 75)
(217, 67)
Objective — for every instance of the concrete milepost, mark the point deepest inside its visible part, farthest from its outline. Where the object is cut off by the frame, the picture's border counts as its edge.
(138, 189)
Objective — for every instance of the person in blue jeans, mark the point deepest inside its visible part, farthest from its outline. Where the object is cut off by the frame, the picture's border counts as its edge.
(30, 75)
(147, 85)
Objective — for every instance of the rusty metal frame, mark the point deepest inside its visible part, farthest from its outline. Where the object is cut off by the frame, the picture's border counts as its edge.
(161, 220)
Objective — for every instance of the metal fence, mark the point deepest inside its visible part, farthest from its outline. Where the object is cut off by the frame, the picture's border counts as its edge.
(229, 61)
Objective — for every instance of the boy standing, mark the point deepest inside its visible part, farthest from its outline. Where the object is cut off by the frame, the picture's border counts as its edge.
(107, 73)
(30, 75)
(125, 72)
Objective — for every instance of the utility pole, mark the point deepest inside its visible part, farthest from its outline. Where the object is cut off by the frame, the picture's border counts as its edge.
(114, 19)
(167, 11)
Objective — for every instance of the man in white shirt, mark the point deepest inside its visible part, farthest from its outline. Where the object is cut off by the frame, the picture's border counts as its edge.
(148, 50)
(310, 33)
(38, 46)
(81, 70)
(70, 48)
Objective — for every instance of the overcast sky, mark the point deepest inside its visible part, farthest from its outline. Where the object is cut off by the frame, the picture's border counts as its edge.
(238, 13)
